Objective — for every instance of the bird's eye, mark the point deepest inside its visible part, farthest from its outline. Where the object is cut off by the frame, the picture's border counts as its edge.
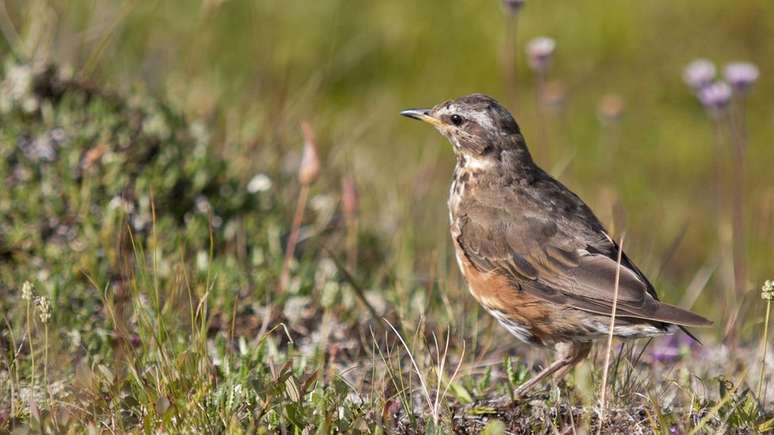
(456, 119)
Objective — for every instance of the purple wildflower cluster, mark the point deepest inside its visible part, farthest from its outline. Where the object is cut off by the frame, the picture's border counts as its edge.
(715, 94)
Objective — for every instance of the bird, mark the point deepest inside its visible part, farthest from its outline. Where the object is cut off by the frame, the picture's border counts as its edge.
(533, 254)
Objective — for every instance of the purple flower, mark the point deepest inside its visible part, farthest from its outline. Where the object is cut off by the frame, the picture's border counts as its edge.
(715, 97)
(741, 75)
(672, 348)
(513, 6)
(539, 52)
(699, 73)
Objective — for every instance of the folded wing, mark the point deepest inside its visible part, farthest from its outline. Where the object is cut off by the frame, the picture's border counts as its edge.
(544, 261)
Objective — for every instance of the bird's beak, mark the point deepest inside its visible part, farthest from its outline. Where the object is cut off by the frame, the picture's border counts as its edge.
(422, 115)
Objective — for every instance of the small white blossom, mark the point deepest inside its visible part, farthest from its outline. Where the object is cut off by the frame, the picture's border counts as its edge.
(539, 52)
(156, 125)
(202, 260)
(259, 183)
(119, 203)
(44, 309)
(26, 292)
(202, 204)
(767, 291)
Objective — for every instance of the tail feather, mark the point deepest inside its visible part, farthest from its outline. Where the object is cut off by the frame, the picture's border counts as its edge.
(678, 316)
(689, 333)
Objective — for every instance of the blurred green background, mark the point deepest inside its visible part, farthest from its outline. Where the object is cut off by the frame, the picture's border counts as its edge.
(254, 69)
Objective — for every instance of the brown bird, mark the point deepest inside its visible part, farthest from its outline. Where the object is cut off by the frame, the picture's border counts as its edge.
(532, 252)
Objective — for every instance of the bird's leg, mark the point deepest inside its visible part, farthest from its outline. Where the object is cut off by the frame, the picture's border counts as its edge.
(548, 371)
(569, 355)
(579, 352)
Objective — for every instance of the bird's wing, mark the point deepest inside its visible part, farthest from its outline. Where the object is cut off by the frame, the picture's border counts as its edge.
(551, 262)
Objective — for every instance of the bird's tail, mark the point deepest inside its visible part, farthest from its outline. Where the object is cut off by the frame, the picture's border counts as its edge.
(678, 316)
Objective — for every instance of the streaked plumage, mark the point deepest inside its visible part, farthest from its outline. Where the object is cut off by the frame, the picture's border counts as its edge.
(533, 253)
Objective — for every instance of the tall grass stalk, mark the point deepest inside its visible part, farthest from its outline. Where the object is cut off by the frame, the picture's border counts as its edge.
(736, 196)
(765, 346)
(93, 60)
(738, 131)
(44, 311)
(609, 350)
(396, 377)
(13, 367)
(349, 205)
(420, 375)
(27, 296)
(45, 361)
(440, 364)
(716, 99)
(49, 396)
(8, 30)
(724, 196)
(303, 196)
(741, 76)
(308, 171)
(767, 293)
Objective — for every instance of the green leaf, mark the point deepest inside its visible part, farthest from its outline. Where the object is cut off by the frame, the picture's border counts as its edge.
(766, 426)
(461, 393)
(483, 410)
(291, 389)
(494, 427)
(509, 369)
(484, 382)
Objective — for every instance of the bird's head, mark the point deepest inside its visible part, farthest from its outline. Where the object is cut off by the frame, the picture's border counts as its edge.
(476, 125)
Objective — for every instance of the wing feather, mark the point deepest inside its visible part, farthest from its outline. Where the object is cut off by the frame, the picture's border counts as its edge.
(547, 263)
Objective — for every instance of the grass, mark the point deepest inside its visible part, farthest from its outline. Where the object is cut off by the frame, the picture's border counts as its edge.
(151, 187)
(608, 352)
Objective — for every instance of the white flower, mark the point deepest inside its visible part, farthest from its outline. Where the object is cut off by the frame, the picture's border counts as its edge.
(699, 73)
(44, 308)
(539, 52)
(767, 291)
(202, 204)
(202, 260)
(26, 291)
(259, 183)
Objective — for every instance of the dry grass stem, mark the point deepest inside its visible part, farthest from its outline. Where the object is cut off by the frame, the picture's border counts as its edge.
(609, 350)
